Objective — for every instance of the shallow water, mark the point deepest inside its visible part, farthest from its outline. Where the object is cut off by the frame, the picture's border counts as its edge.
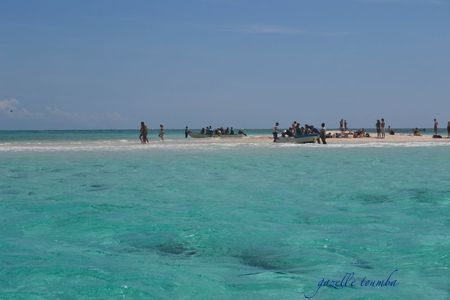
(222, 221)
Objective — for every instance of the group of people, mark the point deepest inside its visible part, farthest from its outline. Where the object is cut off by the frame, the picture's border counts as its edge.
(296, 130)
(381, 129)
(144, 130)
(207, 130)
(220, 131)
(436, 127)
(143, 137)
(343, 125)
(418, 132)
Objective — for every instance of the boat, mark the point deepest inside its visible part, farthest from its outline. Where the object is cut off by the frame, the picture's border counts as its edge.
(231, 135)
(302, 139)
(199, 135)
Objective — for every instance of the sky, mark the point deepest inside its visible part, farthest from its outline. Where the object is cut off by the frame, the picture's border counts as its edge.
(107, 64)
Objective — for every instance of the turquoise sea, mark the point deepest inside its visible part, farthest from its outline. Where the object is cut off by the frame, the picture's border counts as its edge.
(96, 215)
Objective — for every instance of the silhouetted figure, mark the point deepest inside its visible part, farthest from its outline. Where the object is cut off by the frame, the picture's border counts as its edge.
(448, 129)
(161, 132)
(242, 132)
(275, 131)
(143, 133)
(323, 133)
(378, 126)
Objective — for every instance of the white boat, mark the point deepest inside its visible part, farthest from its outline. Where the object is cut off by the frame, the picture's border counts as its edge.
(302, 139)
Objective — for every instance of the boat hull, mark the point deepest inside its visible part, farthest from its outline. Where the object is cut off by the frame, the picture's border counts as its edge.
(227, 136)
(304, 139)
(199, 135)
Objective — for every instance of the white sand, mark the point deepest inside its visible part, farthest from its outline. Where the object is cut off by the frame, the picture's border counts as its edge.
(397, 138)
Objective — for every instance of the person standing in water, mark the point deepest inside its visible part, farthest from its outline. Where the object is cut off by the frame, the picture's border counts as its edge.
(378, 126)
(435, 127)
(323, 133)
(382, 126)
(275, 131)
(143, 133)
(161, 132)
(186, 132)
(448, 129)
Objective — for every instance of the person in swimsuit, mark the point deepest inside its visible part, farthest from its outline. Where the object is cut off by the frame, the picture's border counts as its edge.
(323, 133)
(383, 131)
(378, 126)
(143, 133)
(161, 132)
(435, 127)
(448, 129)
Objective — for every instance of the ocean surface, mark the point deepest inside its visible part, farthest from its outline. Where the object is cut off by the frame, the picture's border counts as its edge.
(96, 215)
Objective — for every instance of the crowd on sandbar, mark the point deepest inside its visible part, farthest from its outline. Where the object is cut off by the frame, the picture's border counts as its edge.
(206, 132)
(296, 130)
(209, 131)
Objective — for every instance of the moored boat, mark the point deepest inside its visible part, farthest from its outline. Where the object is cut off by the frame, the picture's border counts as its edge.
(199, 135)
(302, 139)
(231, 135)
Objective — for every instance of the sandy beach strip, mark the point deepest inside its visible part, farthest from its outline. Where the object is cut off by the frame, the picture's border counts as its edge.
(397, 138)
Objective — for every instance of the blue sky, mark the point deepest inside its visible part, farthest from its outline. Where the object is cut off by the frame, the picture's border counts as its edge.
(110, 64)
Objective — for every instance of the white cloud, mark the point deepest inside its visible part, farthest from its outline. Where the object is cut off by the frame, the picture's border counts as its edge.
(8, 104)
(62, 114)
(12, 109)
